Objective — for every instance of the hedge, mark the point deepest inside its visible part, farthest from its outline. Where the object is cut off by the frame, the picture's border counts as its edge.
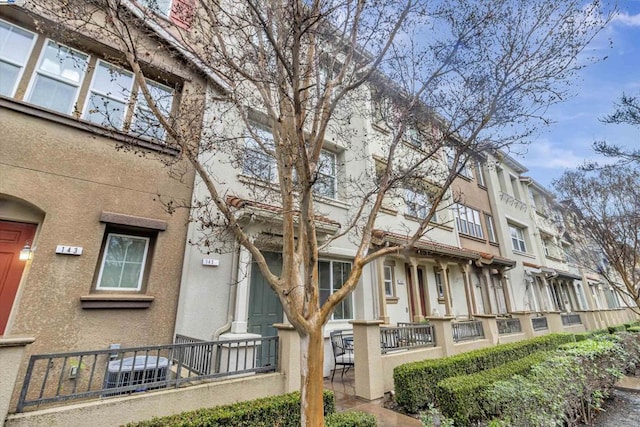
(415, 382)
(282, 411)
(350, 419)
(462, 398)
(617, 328)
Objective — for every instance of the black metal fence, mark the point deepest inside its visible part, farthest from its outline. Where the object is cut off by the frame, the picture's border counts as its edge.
(407, 335)
(539, 323)
(570, 319)
(77, 375)
(509, 326)
(467, 331)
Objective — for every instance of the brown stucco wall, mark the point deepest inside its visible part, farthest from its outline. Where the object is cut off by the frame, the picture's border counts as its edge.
(73, 175)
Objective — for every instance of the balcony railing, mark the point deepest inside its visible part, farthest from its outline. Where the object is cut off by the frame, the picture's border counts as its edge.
(539, 323)
(509, 326)
(571, 319)
(406, 335)
(467, 331)
(102, 373)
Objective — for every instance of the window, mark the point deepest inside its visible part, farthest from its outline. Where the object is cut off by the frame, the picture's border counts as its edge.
(145, 123)
(517, 238)
(389, 288)
(462, 164)
(491, 229)
(331, 276)
(417, 204)
(258, 163)
(439, 282)
(123, 262)
(479, 174)
(15, 47)
(325, 184)
(161, 7)
(58, 77)
(380, 106)
(412, 136)
(545, 246)
(468, 221)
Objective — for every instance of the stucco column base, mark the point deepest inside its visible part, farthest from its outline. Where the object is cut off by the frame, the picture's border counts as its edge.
(554, 321)
(443, 333)
(11, 351)
(368, 359)
(289, 356)
(490, 327)
(525, 323)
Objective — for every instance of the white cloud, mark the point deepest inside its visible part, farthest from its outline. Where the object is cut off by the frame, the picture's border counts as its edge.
(545, 155)
(625, 19)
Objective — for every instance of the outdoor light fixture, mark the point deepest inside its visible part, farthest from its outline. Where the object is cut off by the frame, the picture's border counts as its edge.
(26, 252)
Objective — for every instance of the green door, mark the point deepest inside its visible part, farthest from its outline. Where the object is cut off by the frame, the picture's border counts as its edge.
(264, 306)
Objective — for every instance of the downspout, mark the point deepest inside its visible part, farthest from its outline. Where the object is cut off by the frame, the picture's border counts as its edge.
(231, 304)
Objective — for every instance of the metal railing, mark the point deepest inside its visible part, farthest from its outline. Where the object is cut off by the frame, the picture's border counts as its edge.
(571, 319)
(467, 331)
(539, 323)
(77, 375)
(508, 326)
(406, 335)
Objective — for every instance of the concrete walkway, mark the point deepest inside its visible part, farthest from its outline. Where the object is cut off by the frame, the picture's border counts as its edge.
(344, 390)
(629, 384)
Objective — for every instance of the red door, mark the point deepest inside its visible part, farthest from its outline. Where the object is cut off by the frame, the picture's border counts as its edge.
(13, 236)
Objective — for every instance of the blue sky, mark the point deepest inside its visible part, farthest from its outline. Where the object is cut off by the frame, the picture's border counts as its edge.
(567, 142)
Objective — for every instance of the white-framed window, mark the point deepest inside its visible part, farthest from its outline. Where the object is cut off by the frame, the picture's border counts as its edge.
(417, 204)
(389, 288)
(123, 262)
(491, 228)
(258, 163)
(546, 245)
(146, 124)
(413, 137)
(109, 96)
(326, 182)
(58, 77)
(517, 238)
(437, 273)
(15, 48)
(461, 169)
(161, 7)
(468, 221)
(331, 277)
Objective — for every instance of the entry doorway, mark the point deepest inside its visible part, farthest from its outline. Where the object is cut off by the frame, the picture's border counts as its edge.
(264, 306)
(13, 237)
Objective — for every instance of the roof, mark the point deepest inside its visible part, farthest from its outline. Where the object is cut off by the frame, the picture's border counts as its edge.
(487, 258)
(426, 246)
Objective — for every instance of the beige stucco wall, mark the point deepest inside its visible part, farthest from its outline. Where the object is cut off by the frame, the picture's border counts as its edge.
(121, 410)
(71, 176)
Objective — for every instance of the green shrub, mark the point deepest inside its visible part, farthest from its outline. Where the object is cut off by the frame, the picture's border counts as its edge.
(634, 329)
(282, 411)
(415, 382)
(463, 397)
(616, 328)
(350, 419)
(565, 389)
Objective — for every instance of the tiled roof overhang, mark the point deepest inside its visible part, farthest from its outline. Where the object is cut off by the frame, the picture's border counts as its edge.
(424, 247)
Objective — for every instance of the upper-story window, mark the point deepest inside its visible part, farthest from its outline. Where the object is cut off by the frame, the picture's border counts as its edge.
(462, 166)
(59, 74)
(517, 238)
(63, 75)
(326, 182)
(468, 221)
(491, 228)
(418, 204)
(162, 7)
(479, 174)
(15, 48)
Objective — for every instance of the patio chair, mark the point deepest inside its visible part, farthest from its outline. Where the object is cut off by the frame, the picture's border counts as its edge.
(342, 345)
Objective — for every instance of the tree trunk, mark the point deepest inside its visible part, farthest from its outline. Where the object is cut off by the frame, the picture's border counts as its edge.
(311, 370)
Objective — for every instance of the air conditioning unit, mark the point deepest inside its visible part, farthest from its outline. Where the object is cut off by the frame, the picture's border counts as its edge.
(139, 371)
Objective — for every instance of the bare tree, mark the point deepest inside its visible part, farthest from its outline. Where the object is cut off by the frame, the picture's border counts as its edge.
(605, 221)
(291, 78)
(627, 113)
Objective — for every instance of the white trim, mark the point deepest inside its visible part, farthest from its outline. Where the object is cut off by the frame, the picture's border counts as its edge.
(142, 266)
(12, 93)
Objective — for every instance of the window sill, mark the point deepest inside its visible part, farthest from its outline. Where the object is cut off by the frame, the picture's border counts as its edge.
(392, 300)
(102, 301)
(525, 254)
(477, 239)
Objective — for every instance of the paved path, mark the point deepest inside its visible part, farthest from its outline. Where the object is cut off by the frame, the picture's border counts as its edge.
(624, 410)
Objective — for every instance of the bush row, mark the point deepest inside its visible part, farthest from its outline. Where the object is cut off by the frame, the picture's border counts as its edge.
(462, 398)
(283, 411)
(415, 382)
(567, 388)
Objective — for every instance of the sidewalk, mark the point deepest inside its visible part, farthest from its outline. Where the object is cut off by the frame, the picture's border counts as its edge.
(629, 384)
(344, 390)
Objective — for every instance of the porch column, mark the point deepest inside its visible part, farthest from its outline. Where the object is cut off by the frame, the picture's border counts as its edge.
(368, 359)
(418, 316)
(11, 351)
(241, 312)
(464, 268)
(443, 334)
(382, 297)
(289, 356)
(447, 288)
(506, 288)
